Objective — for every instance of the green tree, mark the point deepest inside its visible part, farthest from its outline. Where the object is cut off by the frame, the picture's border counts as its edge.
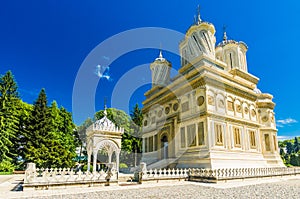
(39, 133)
(295, 159)
(68, 137)
(296, 145)
(20, 139)
(289, 148)
(136, 140)
(50, 138)
(81, 137)
(9, 120)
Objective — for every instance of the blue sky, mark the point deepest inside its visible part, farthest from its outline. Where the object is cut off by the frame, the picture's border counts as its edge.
(44, 43)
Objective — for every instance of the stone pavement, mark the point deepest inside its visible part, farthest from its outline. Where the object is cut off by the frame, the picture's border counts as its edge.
(287, 187)
(10, 182)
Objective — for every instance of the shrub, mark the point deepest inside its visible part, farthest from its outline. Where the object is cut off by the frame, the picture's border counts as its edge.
(84, 168)
(123, 166)
(6, 166)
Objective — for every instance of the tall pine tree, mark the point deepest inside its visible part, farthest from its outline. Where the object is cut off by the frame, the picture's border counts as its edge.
(69, 138)
(296, 145)
(137, 120)
(50, 135)
(9, 121)
(39, 133)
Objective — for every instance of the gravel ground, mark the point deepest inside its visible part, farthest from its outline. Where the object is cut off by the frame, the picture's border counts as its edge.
(281, 189)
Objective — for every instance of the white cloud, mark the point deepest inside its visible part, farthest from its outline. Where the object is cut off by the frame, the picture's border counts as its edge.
(287, 121)
(103, 72)
(284, 137)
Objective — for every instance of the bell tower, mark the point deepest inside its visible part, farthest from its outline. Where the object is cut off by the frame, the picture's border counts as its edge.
(160, 69)
(199, 40)
(233, 53)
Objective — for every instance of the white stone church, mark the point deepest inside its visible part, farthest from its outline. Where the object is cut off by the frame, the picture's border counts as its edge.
(210, 115)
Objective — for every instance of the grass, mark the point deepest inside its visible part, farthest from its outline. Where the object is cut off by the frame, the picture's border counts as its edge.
(6, 173)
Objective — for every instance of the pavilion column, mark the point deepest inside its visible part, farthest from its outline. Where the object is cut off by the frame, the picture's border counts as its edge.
(110, 152)
(94, 160)
(89, 161)
(117, 160)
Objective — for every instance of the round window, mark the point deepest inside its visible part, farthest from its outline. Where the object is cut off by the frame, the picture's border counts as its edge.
(175, 107)
(200, 101)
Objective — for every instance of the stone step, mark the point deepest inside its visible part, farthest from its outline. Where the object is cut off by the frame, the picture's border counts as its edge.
(126, 178)
(128, 183)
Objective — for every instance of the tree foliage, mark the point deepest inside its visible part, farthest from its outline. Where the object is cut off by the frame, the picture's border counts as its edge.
(9, 120)
(289, 151)
(50, 138)
(33, 133)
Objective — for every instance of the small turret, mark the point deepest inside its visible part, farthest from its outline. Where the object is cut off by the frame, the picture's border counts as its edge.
(233, 53)
(160, 71)
(199, 40)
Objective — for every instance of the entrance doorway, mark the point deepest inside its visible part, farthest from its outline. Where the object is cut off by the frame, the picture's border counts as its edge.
(164, 144)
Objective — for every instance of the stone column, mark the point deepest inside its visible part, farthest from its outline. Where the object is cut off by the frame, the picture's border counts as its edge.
(89, 161)
(117, 160)
(95, 160)
(30, 173)
(110, 152)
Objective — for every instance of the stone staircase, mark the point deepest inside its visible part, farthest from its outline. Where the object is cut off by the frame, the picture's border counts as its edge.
(165, 163)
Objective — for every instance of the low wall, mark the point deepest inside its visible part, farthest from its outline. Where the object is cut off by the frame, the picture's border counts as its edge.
(164, 174)
(36, 178)
(218, 175)
(213, 175)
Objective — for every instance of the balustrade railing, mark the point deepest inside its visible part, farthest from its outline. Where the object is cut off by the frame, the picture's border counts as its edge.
(65, 175)
(165, 174)
(216, 174)
(236, 173)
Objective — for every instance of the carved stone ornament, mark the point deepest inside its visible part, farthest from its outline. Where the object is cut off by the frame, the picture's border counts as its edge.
(221, 103)
(167, 110)
(159, 113)
(200, 101)
(246, 110)
(230, 105)
(239, 108)
(265, 118)
(211, 100)
(253, 113)
(272, 119)
(175, 107)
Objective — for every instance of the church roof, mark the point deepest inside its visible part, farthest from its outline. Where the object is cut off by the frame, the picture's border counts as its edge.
(104, 124)
(160, 57)
(226, 41)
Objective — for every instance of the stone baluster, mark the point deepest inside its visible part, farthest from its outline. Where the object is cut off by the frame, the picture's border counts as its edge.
(159, 173)
(186, 173)
(155, 173)
(169, 172)
(165, 172)
(173, 172)
(150, 173)
(181, 172)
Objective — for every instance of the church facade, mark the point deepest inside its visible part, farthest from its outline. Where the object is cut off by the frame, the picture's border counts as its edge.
(210, 115)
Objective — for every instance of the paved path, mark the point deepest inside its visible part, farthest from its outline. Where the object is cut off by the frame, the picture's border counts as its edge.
(9, 182)
(267, 188)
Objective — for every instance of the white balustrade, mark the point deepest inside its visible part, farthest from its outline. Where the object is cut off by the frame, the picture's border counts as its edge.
(63, 175)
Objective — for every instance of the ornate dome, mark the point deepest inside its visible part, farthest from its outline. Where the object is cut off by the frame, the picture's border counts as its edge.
(160, 57)
(226, 41)
(104, 124)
